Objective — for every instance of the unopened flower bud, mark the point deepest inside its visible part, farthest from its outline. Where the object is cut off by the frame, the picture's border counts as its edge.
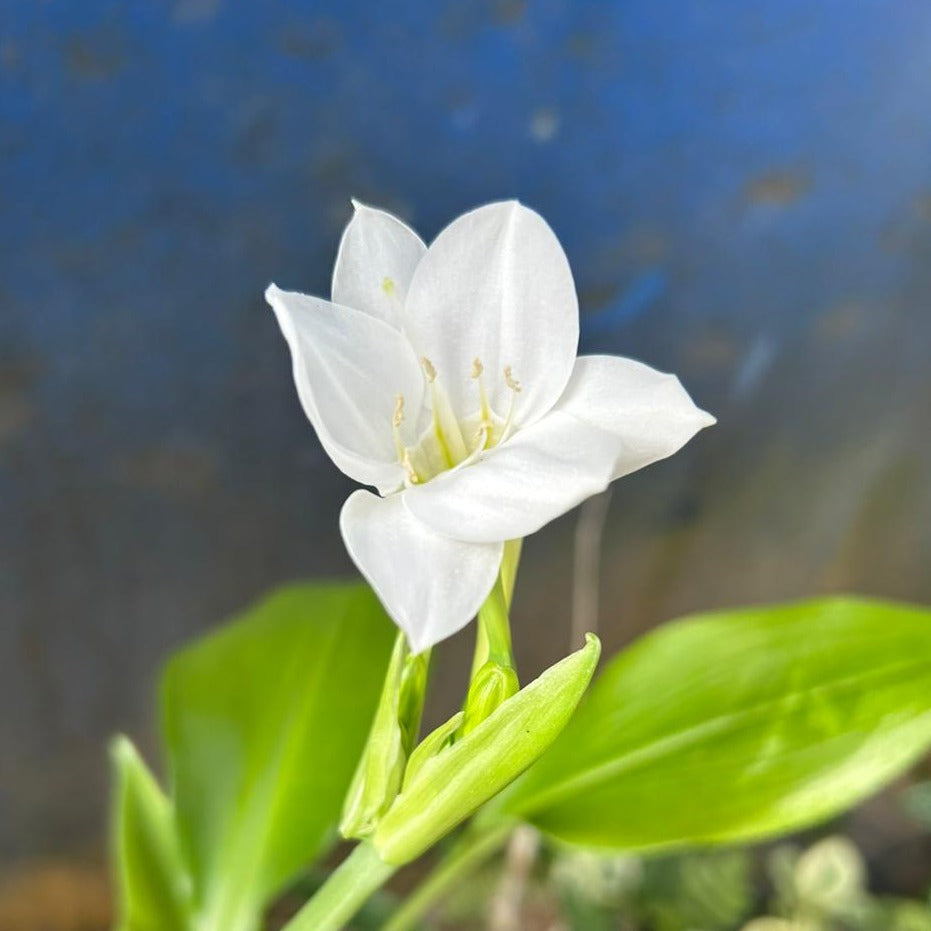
(491, 686)
(394, 732)
(435, 742)
(452, 784)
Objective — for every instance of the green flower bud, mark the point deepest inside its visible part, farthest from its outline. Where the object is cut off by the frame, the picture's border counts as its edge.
(414, 677)
(491, 686)
(378, 776)
(451, 785)
(431, 745)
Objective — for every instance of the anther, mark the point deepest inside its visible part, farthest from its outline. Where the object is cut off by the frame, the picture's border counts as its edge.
(477, 367)
(428, 369)
(398, 417)
(509, 378)
(387, 285)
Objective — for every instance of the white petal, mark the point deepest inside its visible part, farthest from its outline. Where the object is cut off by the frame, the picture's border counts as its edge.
(349, 368)
(495, 285)
(376, 259)
(532, 478)
(431, 585)
(616, 416)
(649, 411)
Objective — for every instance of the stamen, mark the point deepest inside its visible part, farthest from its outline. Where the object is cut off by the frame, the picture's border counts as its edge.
(387, 285)
(484, 409)
(396, 420)
(445, 425)
(412, 475)
(514, 385)
(481, 441)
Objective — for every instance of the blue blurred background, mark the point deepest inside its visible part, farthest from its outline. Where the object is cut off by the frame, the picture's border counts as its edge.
(744, 192)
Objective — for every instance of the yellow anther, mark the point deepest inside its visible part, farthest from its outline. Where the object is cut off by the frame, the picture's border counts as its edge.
(428, 369)
(387, 285)
(398, 417)
(512, 382)
(477, 368)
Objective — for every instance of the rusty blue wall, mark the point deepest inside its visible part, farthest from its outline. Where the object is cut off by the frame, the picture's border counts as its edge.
(744, 190)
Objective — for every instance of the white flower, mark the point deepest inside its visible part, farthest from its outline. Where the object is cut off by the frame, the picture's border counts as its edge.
(447, 378)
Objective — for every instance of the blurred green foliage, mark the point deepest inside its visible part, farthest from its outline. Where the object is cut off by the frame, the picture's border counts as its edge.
(263, 723)
(821, 888)
(723, 728)
(152, 881)
(788, 887)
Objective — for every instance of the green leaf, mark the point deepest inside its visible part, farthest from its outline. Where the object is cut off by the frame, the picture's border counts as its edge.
(152, 886)
(264, 722)
(738, 725)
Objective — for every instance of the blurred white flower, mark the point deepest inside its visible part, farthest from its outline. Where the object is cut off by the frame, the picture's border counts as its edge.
(447, 378)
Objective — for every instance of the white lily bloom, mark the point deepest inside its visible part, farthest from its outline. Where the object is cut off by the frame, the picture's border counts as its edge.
(447, 378)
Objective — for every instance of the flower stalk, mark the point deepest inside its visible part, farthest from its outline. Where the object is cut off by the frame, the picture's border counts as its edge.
(346, 890)
(493, 638)
(494, 676)
(467, 854)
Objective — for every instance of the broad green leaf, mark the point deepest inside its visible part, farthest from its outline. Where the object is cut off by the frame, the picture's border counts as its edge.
(264, 722)
(152, 886)
(738, 725)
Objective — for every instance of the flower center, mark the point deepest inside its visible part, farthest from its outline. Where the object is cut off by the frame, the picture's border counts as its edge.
(449, 440)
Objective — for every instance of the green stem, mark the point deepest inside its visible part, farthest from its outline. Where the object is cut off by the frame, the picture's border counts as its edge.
(509, 564)
(344, 892)
(468, 853)
(495, 625)
(493, 630)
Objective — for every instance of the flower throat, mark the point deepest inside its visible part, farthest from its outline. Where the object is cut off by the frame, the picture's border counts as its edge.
(449, 442)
